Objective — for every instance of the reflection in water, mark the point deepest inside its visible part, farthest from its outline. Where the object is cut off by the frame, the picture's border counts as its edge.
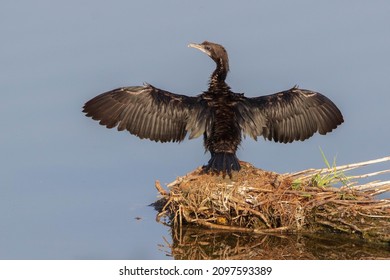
(193, 243)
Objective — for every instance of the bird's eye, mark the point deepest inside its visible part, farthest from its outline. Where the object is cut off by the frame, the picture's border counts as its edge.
(208, 48)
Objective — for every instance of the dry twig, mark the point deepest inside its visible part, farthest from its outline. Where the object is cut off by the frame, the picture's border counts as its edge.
(259, 201)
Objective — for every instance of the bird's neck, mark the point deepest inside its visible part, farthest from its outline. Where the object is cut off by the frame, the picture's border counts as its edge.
(218, 86)
(217, 79)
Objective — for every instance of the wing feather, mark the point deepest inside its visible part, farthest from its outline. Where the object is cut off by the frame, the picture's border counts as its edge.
(294, 114)
(149, 112)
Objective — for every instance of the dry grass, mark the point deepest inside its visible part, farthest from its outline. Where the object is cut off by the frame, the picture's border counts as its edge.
(258, 201)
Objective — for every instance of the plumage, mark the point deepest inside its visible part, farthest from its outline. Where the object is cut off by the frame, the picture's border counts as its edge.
(218, 114)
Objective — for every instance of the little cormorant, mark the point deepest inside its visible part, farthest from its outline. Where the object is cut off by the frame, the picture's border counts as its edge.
(221, 115)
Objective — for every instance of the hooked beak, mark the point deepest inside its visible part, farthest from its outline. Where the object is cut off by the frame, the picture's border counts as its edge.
(199, 47)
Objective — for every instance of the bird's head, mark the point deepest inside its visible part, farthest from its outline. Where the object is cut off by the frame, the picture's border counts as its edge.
(215, 51)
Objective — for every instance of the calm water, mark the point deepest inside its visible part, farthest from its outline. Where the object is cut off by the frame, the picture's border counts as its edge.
(72, 223)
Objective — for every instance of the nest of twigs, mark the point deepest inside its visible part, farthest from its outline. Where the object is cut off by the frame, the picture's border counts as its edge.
(258, 201)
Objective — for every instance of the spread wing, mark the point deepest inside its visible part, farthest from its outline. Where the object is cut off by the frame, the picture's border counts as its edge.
(149, 112)
(294, 114)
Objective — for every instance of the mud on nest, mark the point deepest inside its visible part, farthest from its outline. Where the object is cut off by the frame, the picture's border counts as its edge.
(259, 201)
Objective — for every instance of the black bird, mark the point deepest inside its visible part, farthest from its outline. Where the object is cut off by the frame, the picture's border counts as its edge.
(221, 115)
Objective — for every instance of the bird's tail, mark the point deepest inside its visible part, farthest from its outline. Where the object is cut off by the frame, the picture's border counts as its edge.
(222, 162)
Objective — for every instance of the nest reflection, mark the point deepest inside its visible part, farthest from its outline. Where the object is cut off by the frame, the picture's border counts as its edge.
(193, 243)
